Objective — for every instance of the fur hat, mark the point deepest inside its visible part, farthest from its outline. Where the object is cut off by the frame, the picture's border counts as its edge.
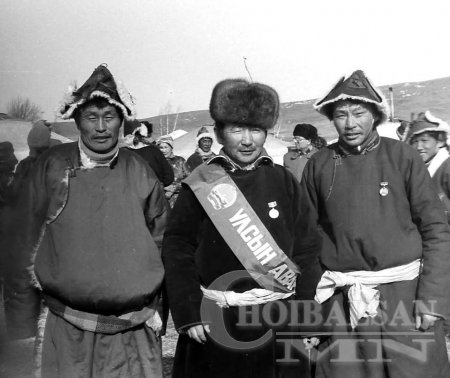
(356, 87)
(238, 101)
(100, 84)
(165, 139)
(427, 122)
(39, 135)
(203, 133)
(305, 130)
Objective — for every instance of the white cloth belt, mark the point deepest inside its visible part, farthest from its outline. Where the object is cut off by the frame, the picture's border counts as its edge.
(252, 297)
(364, 299)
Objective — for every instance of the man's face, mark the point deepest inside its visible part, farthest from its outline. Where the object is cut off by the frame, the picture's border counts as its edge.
(205, 144)
(354, 122)
(302, 144)
(243, 144)
(426, 145)
(99, 127)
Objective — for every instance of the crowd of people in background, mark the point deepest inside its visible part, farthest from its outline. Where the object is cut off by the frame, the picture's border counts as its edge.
(103, 237)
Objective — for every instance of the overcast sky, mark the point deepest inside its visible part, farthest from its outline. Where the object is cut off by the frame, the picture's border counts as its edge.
(173, 52)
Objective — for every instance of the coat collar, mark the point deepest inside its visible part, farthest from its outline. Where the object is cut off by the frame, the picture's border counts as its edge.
(230, 166)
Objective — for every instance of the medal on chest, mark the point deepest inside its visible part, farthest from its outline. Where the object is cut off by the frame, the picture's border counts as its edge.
(384, 191)
(273, 212)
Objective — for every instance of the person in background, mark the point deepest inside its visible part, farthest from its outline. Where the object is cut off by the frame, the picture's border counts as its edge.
(307, 142)
(203, 151)
(8, 162)
(143, 145)
(203, 245)
(91, 222)
(428, 135)
(178, 163)
(385, 249)
(39, 141)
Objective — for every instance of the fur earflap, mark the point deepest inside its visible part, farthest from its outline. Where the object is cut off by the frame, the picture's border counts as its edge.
(357, 87)
(240, 102)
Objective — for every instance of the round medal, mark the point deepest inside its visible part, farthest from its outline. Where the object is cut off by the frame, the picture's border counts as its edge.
(384, 191)
(274, 213)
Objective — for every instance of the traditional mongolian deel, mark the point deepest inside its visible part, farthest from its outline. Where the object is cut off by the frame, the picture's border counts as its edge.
(233, 219)
(243, 231)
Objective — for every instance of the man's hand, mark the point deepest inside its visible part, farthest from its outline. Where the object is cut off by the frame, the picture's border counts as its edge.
(197, 332)
(425, 321)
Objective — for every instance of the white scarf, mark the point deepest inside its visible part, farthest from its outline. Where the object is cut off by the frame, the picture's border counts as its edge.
(364, 299)
(437, 161)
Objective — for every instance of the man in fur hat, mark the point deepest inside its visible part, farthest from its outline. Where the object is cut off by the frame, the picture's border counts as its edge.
(93, 217)
(203, 151)
(238, 215)
(385, 245)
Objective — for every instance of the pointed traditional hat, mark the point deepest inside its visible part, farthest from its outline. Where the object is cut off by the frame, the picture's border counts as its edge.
(203, 133)
(427, 122)
(356, 87)
(100, 84)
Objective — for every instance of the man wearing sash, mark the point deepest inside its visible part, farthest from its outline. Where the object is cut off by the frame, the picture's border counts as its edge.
(386, 245)
(91, 222)
(238, 241)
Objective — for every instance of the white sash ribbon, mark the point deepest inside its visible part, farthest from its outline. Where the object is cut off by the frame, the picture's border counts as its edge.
(252, 297)
(364, 299)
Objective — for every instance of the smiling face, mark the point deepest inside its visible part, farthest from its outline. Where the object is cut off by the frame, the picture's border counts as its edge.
(205, 144)
(354, 121)
(99, 126)
(243, 144)
(427, 145)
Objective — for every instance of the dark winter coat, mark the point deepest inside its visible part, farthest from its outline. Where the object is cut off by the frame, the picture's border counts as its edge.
(365, 230)
(441, 180)
(94, 233)
(156, 160)
(194, 254)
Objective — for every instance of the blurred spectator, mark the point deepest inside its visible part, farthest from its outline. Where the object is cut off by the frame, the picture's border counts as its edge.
(178, 163)
(38, 141)
(307, 142)
(8, 162)
(428, 135)
(203, 151)
(143, 145)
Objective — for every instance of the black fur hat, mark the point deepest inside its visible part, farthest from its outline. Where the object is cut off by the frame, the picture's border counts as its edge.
(240, 102)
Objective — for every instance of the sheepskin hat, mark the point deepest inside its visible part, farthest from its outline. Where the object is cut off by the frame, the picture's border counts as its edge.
(203, 133)
(241, 102)
(100, 84)
(427, 122)
(39, 135)
(165, 139)
(356, 87)
(305, 130)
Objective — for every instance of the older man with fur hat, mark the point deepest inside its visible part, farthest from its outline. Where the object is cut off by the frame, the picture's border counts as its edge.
(385, 248)
(307, 142)
(93, 218)
(203, 151)
(238, 243)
